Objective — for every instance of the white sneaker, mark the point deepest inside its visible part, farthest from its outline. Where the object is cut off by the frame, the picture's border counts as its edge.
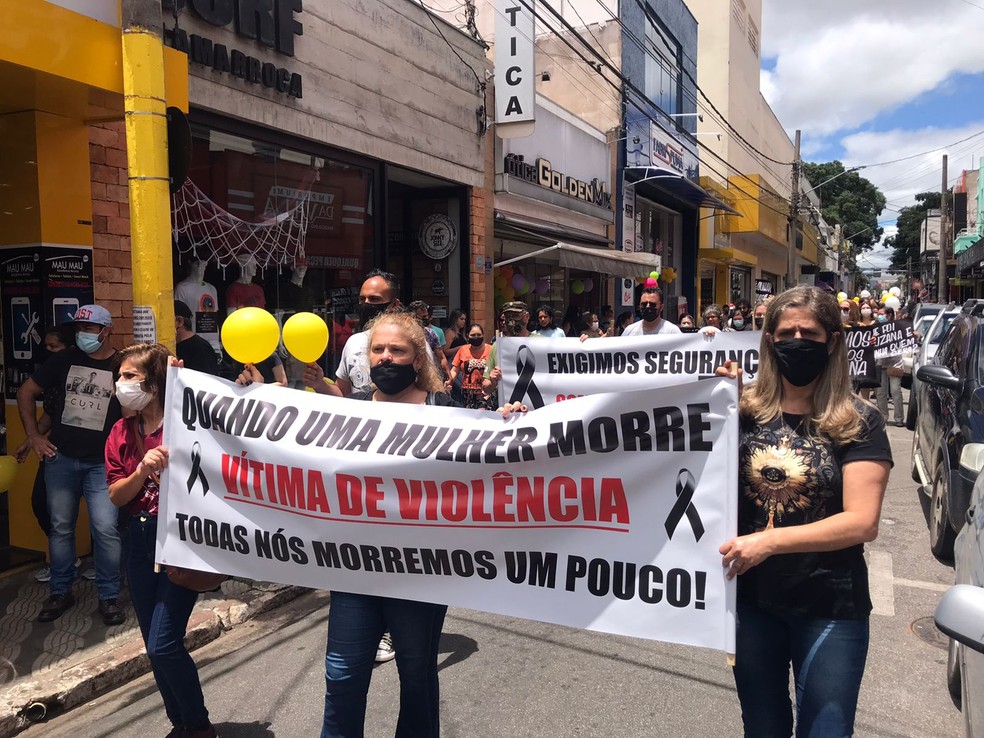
(385, 651)
(89, 574)
(44, 573)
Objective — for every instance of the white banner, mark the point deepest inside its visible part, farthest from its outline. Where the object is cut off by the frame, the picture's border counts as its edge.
(540, 371)
(553, 516)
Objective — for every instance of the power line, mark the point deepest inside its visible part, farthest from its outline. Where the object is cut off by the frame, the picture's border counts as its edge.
(924, 153)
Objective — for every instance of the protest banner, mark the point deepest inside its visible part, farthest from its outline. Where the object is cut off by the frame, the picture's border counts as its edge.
(603, 513)
(539, 371)
(868, 348)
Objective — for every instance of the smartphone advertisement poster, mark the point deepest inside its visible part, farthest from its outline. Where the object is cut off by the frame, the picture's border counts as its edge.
(41, 286)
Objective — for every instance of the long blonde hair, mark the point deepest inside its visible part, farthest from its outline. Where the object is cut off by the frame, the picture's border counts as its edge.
(428, 378)
(836, 411)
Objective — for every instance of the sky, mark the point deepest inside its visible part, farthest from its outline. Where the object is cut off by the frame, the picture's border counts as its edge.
(869, 81)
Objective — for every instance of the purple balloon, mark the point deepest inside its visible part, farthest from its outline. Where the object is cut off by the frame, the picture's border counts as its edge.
(519, 282)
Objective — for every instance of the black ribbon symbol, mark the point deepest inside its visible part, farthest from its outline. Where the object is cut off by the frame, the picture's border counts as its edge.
(196, 469)
(685, 488)
(525, 367)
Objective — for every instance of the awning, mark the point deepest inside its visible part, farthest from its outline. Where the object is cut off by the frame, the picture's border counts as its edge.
(543, 234)
(605, 261)
(680, 187)
(971, 257)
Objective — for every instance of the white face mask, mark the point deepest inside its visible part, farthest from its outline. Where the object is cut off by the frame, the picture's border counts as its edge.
(594, 326)
(132, 396)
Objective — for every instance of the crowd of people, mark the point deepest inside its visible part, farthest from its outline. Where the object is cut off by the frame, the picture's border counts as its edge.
(802, 582)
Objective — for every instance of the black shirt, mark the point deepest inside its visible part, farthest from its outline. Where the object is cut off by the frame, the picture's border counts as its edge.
(787, 478)
(83, 405)
(198, 354)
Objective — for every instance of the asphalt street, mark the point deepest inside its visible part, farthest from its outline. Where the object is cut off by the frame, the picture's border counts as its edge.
(509, 677)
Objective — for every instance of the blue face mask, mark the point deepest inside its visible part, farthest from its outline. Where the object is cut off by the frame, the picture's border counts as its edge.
(88, 342)
(881, 318)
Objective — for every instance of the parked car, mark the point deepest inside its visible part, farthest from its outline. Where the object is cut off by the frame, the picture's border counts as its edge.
(922, 317)
(948, 446)
(929, 342)
(960, 614)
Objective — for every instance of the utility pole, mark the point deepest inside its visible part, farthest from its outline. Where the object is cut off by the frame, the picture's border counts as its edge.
(793, 228)
(839, 245)
(942, 295)
(147, 170)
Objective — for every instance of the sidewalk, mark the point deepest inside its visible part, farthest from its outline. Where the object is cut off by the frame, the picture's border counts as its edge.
(53, 667)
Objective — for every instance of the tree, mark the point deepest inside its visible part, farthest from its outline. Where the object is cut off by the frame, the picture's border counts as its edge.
(906, 241)
(848, 200)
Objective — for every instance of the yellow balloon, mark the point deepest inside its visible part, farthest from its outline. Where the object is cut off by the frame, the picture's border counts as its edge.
(250, 335)
(8, 470)
(306, 336)
(841, 296)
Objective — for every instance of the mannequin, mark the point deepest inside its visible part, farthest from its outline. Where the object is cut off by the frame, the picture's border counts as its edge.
(297, 296)
(242, 292)
(203, 300)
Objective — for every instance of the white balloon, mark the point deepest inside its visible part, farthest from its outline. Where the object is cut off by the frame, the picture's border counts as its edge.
(865, 294)
(895, 291)
(893, 302)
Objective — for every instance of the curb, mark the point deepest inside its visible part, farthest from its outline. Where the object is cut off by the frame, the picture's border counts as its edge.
(34, 699)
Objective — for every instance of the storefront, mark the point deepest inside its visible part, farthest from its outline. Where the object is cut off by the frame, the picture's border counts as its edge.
(553, 218)
(64, 70)
(318, 154)
(661, 203)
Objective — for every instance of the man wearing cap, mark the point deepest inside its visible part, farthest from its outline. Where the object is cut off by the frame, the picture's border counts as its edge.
(513, 321)
(84, 408)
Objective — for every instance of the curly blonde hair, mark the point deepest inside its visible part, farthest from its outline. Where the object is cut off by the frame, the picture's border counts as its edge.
(836, 411)
(428, 378)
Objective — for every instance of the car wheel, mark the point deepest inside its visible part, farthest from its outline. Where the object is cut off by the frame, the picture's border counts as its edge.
(914, 468)
(953, 672)
(911, 412)
(941, 535)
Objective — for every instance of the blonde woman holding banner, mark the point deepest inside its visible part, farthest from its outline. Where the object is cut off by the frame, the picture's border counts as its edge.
(813, 465)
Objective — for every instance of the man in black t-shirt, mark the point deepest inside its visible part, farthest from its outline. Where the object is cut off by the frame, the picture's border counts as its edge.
(83, 409)
(192, 349)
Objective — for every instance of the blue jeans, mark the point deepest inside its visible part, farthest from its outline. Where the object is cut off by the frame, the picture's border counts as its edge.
(163, 610)
(355, 624)
(828, 658)
(68, 481)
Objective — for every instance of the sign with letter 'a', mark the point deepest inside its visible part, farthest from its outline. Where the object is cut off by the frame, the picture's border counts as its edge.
(515, 67)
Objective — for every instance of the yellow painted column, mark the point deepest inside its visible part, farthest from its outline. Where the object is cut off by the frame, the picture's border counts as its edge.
(150, 200)
(44, 159)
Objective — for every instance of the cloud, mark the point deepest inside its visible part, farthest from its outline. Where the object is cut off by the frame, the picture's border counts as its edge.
(840, 63)
(900, 182)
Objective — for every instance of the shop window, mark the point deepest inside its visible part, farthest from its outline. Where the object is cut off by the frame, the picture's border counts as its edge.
(302, 219)
(661, 231)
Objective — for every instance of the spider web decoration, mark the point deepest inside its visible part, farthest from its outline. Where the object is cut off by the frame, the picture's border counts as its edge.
(212, 233)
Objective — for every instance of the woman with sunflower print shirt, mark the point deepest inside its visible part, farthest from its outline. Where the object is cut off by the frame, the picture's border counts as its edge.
(813, 465)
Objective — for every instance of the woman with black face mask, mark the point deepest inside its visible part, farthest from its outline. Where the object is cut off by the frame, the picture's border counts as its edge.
(468, 370)
(813, 465)
(401, 371)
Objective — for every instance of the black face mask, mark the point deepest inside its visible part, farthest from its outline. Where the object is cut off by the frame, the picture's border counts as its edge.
(391, 378)
(649, 314)
(369, 310)
(801, 360)
(759, 322)
(476, 340)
